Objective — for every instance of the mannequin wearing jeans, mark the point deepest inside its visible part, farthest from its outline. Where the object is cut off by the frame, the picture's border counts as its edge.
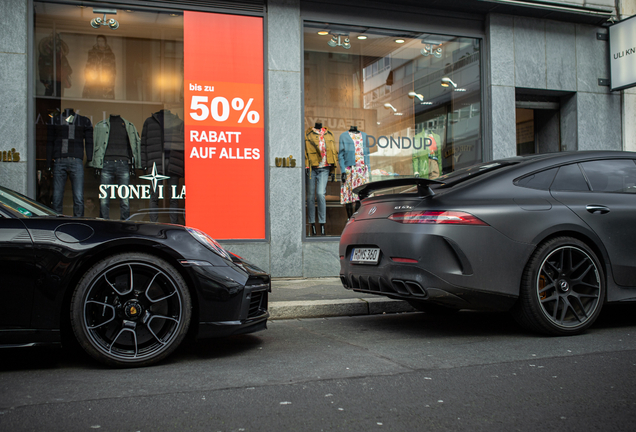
(67, 136)
(115, 157)
(316, 188)
(321, 157)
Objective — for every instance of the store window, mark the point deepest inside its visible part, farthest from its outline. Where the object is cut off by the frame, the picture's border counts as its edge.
(381, 105)
(132, 104)
(109, 102)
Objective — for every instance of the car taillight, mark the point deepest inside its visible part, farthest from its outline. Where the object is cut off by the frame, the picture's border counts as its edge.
(436, 217)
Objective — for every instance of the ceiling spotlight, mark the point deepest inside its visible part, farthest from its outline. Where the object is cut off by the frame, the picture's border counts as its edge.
(413, 95)
(446, 82)
(389, 106)
(323, 33)
(98, 22)
(400, 41)
(341, 40)
(363, 37)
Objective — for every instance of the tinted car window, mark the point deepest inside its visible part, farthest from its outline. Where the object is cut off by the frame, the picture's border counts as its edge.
(473, 171)
(617, 175)
(21, 204)
(541, 180)
(570, 178)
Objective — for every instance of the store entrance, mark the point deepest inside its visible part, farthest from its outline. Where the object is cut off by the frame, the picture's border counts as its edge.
(538, 127)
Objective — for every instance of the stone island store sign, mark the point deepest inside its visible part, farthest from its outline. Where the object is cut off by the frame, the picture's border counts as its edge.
(623, 54)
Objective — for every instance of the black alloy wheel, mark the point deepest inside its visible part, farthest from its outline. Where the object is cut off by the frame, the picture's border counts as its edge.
(131, 310)
(562, 289)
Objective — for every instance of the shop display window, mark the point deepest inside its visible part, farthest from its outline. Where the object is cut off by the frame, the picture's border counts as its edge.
(383, 104)
(109, 126)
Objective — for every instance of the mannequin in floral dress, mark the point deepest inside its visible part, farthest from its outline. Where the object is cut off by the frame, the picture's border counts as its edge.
(353, 156)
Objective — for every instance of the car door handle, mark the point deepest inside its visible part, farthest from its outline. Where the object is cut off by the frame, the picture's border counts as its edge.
(592, 208)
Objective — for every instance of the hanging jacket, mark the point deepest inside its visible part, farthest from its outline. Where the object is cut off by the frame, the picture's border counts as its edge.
(162, 143)
(100, 140)
(100, 73)
(313, 157)
(347, 152)
(67, 136)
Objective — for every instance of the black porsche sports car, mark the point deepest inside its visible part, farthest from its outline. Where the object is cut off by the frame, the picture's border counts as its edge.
(551, 237)
(130, 291)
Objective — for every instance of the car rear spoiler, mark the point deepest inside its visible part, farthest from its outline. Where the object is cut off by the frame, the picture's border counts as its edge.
(423, 186)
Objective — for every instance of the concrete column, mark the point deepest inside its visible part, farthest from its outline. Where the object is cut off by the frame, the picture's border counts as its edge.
(285, 98)
(501, 85)
(13, 76)
(627, 8)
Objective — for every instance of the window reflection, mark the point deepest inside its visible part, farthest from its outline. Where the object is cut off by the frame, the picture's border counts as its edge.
(415, 97)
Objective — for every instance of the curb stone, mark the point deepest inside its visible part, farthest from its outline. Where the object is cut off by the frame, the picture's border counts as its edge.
(334, 308)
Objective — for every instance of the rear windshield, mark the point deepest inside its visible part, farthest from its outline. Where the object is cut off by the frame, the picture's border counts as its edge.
(460, 175)
(473, 171)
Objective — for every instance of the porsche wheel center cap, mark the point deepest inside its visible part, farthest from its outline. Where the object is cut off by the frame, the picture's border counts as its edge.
(133, 309)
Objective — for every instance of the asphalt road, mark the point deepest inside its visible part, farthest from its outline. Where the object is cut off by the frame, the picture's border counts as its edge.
(399, 372)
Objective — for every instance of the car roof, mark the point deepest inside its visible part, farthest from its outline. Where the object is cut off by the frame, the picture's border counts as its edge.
(520, 165)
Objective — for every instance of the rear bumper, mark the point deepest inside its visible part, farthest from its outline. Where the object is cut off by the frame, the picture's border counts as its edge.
(415, 284)
(473, 267)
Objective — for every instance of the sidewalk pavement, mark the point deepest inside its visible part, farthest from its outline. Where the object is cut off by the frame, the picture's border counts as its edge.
(325, 297)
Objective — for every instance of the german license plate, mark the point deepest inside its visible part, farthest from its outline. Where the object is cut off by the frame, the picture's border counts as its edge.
(365, 255)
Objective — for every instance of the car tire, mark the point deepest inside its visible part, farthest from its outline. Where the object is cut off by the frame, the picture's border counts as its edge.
(562, 288)
(432, 308)
(131, 310)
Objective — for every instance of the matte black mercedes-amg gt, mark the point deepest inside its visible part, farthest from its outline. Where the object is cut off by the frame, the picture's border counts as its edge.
(550, 237)
(130, 291)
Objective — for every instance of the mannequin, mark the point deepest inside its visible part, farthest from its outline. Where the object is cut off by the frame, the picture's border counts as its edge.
(67, 135)
(427, 155)
(117, 154)
(162, 145)
(353, 157)
(321, 157)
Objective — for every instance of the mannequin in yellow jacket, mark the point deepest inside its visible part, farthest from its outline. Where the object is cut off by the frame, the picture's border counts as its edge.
(321, 157)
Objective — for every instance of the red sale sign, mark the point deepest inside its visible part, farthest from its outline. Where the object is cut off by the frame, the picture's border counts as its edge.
(224, 125)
